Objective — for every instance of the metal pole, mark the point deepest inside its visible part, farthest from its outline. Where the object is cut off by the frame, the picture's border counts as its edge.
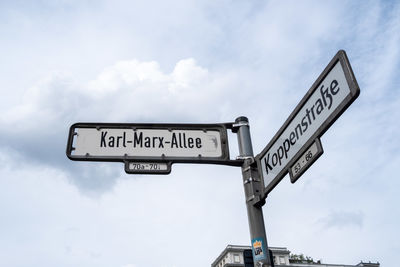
(252, 189)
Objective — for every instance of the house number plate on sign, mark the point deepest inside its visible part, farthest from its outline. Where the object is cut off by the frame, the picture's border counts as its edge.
(306, 160)
(148, 167)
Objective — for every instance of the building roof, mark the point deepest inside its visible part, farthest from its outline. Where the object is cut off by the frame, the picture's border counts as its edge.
(240, 248)
(283, 251)
(369, 264)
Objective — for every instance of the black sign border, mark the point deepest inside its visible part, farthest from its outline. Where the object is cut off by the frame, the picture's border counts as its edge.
(340, 57)
(221, 128)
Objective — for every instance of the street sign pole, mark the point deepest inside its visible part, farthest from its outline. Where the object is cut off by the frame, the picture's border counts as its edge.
(253, 191)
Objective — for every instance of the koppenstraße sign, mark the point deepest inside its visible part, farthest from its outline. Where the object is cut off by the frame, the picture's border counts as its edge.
(144, 142)
(335, 89)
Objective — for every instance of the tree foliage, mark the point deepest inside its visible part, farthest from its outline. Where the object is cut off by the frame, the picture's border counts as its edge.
(300, 258)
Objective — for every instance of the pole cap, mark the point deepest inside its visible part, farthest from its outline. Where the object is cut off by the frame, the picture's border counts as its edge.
(241, 119)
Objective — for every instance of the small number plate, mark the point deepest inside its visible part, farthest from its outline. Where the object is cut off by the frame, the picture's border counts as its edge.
(148, 167)
(306, 160)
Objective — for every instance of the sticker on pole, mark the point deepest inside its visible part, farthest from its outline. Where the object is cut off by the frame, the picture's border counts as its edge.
(331, 94)
(259, 249)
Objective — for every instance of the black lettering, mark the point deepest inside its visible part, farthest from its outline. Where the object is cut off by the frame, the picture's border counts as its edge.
(138, 140)
(180, 140)
(276, 159)
(292, 138)
(312, 112)
(298, 127)
(280, 154)
(304, 124)
(286, 146)
(124, 140)
(184, 140)
(308, 116)
(174, 141)
(190, 142)
(154, 140)
(334, 83)
(103, 139)
(161, 140)
(267, 165)
(326, 95)
(198, 142)
(147, 141)
(111, 141)
(118, 138)
(320, 106)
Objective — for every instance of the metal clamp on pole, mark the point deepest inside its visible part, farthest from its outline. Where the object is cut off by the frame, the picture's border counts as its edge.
(237, 125)
(251, 179)
(252, 191)
(248, 180)
(246, 158)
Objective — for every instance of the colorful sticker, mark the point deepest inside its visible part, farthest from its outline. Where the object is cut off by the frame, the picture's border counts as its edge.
(259, 249)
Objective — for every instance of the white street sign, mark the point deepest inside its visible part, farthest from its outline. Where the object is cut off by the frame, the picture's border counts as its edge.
(148, 142)
(335, 89)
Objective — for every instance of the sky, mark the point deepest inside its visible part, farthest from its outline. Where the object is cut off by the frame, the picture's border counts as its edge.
(186, 61)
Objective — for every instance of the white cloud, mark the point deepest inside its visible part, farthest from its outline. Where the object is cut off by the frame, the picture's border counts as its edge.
(125, 91)
(343, 219)
(132, 90)
(126, 74)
